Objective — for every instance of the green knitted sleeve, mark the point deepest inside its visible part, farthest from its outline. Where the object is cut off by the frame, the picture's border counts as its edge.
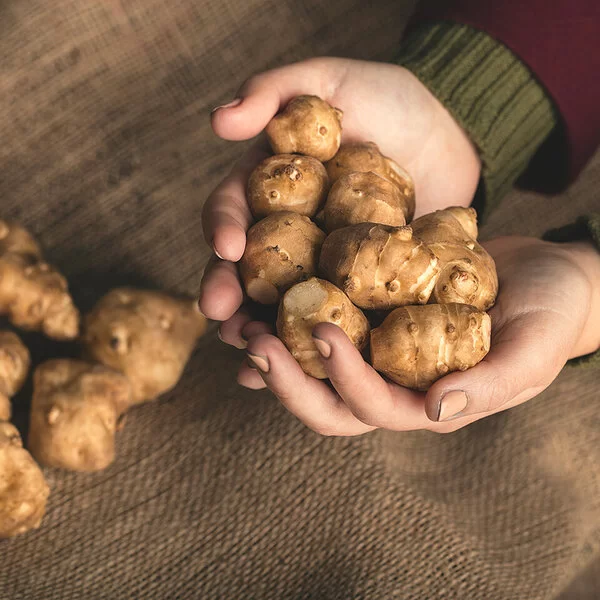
(490, 92)
(587, 227)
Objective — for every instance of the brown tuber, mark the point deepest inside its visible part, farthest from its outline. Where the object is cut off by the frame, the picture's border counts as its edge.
(287, 182)
(311, 302)
(23, 489)
(146, 335)
(14, 366)
(281, 250)
(75, 413)
(307, 125)
(33, 295)
(378, 266)
(417, 345)
(468, 272)
(364, 197)
(366, 156)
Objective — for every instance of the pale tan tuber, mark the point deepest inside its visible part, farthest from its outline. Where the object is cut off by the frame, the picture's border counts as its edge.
(14, 366)
(467, 271)
(366, 156)
(378, 266)
(416, 345)
(75, 413)
(287, 182)
(33, 295)
(311, 302)
(281, 250)
(308, 125)
(364, 197)
(146, 335)
(23, 489)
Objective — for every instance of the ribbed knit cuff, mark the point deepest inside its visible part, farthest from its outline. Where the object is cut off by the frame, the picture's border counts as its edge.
(490, 93)
(586, 227)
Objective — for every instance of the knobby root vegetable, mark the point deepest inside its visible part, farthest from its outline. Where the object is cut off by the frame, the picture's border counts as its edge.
(364, 197)
(287, 182)
(14, 366)
(23, 489)
(378, 266)
(311, 302)
(33, 295)
(417, 345)
(366, 156)
(146, 335)
(75, 412)
(468, 272)
(281, 250)
(307, 125)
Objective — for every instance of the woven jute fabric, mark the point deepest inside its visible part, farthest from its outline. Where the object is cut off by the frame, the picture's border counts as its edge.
(217, 492)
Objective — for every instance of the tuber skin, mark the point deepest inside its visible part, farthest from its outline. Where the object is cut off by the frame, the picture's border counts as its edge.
(364, 197)
(14, 366)
(281, 250)
(33, 295)
(379, 267)
(468, 272)
(146, 335)
(23, 489)
(417, 345)
(311, 302)
(308, 125)
(75, 414)
(366, 156)
(287, 182)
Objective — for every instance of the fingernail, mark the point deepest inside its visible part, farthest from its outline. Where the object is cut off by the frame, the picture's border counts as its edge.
(322, 346)
(217, 253)
(251, 365)
(260, 362)
(231, 104)
(451, 404)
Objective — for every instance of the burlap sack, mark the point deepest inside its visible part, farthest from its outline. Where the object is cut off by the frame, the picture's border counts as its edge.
(217, 492)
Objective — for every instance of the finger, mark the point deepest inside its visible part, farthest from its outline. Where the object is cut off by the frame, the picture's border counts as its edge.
(262, 96)
(230, 331)
(254, 328)
(526, 356)
(371, 399)
(220, 291)
(309, 399)
(249, 377)
(226, 215)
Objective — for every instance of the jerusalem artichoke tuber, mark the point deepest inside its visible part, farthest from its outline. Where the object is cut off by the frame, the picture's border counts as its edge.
(14, 366)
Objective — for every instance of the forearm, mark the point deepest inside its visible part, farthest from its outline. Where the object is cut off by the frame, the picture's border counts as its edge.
(587, 258)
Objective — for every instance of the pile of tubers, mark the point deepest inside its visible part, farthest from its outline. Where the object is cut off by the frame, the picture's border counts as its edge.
(134, 347)
(335, 242)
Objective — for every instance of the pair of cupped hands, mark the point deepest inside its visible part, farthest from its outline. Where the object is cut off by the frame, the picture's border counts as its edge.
(546, 311)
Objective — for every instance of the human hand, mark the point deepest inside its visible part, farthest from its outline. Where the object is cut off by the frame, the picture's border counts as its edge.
(547, 311)
(381, 102)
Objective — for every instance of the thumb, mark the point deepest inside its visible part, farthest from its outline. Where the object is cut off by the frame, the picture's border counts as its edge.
(526, 356)
(263, 95)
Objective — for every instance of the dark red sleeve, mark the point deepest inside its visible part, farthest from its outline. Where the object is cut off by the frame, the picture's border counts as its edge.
(559, 40)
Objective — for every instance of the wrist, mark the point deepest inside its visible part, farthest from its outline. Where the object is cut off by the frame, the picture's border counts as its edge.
(587, 258)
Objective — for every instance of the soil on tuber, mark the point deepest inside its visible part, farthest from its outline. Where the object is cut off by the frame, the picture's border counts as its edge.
(23, 489)
(146, 335)
(467, 271)
(308, 125)
(287, 182)
(75, 413)
(417, 345)
(281, 250)
(311, 302)
(379, 266)
(14, 366)
(33, 295)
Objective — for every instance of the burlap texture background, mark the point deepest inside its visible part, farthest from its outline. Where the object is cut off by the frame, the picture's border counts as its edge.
(217, 492)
